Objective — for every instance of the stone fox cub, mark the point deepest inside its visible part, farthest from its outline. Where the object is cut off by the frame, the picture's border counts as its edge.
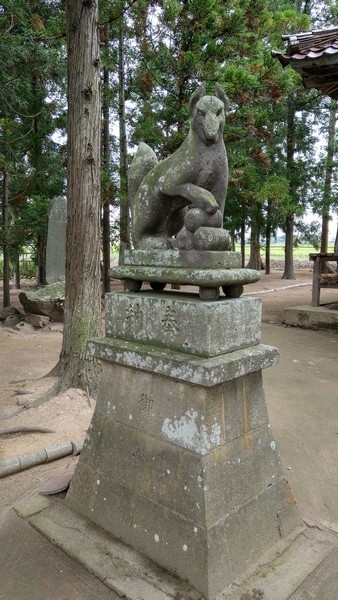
(196, 176)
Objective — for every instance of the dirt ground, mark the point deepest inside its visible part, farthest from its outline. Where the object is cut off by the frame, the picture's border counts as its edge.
(26, 358)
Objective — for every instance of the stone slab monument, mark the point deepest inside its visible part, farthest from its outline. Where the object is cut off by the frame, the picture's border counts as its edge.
(49, 300)
(180, 461)
(56, 241)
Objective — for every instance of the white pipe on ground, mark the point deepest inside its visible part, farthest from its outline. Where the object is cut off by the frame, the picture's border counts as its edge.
(39, 457)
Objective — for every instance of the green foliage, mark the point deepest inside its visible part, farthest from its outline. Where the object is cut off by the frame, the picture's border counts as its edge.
(308, 233)
(27, 266)
(171, 46)
(276, 189)
(177, 44)
(174, 45)
(32, 112)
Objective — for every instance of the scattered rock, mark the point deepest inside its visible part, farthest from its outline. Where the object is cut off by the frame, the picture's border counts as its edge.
(37, 320)
(13, 320)
(47, 300)
(8, 311)
(24, 327)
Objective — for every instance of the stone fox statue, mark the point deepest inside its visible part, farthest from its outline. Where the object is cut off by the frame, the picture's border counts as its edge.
(195, 176)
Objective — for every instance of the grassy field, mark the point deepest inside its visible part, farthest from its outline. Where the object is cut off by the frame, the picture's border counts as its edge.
(299, 253)
(276, 252)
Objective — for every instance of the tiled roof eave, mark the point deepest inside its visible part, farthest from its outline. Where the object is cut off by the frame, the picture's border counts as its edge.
(314, 55)
(298, 61)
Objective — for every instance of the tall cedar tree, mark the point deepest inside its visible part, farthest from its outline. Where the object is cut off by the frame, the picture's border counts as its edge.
(30, 159)
(82, 297)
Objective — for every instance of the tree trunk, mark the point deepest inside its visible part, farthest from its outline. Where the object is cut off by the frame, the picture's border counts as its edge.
(290, 167)
(37, 151)
(324, 238)
(17, 269)
(82, 296)
(255, 256)
(124, 205)
(107, 189)
(328, 181)
(5, 241)
(268, 238)
(255, 261)
(41, 246)
(243, 220)
(289, 268)
(233, 241)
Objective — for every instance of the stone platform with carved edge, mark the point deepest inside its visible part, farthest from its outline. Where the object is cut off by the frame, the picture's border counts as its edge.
(209, 270)
(180, 461)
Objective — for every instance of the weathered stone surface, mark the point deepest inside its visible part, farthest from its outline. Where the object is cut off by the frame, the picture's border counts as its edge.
(211, 238)
(56, 241)
(185, 367)
(246, 533)
(8, 311)
(203, 239)
(127, 572)
(302, 565)
(149, 467)
(37, 320)
(287, 518)
(161, 319)
(13, 320)
(35, 505)
(189, 469)
(153, 419)
(153, 403)
(209, 557)
(196, 175)
(185, 482)
(24, 327)
(184, 258)
(178, 544)
(312, 317)
(186, 276)
(48, 301)
(179, 460)
(158, 406)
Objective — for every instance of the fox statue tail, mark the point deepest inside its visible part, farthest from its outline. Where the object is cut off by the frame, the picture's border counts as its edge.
(143, 161)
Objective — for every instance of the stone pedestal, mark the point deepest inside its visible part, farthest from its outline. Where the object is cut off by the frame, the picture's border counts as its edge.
(180, 461)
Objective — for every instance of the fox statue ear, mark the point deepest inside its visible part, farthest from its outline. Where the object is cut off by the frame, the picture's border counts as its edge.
(221, 95)
(195, 97)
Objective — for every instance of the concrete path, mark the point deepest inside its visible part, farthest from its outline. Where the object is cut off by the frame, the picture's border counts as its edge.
(302, 399)
(31, 568)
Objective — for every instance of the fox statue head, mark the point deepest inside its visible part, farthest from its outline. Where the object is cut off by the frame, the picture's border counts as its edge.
(207, 113)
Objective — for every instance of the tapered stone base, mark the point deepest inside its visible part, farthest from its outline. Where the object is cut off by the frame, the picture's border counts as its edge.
(187, 473)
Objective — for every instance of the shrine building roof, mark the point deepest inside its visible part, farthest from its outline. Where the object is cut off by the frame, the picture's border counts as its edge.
(314, 55)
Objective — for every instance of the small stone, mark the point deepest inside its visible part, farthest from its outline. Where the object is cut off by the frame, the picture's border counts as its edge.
(12, 320)
(24, 327)
(37, 320)
(8, 311)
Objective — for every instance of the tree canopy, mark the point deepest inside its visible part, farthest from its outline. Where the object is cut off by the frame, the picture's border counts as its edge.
(153, 55)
